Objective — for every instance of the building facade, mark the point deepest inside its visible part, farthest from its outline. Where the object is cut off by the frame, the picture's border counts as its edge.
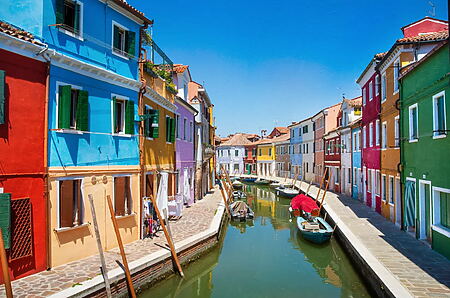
(282, 160)
(231, 154)
(357, 180)
(332, 160)
(424, 114)
(266, 158)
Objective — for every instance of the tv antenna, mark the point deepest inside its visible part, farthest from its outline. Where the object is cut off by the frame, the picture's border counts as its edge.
(433, 9)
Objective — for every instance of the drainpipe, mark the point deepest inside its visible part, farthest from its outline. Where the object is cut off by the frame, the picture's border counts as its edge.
(141, 123)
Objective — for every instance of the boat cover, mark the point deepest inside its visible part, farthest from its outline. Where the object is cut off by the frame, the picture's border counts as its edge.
(304, 203)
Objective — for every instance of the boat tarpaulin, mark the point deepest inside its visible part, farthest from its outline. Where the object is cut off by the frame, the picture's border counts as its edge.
(303, 202)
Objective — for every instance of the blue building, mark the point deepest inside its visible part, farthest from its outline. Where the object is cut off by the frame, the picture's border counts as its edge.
(295, 156)
(357, 190)
(301, 149)
(93, 128)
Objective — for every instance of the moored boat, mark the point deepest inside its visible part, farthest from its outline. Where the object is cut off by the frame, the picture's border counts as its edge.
(287, 192)
(241, 211)
(262, 181)
(239, 195)
(237, 184)
(314, 229)
(276, 185)
(248, 180)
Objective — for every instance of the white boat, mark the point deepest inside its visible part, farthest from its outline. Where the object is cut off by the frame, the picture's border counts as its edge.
(237, 184)
(287, 192)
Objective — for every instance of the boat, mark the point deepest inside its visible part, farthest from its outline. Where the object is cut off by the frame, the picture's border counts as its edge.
(241, 211)
(262, 181)
(314, 228)
(287, 192)
(235, 178)
(237, 184)
(249, 180)
(276, 185)
(239, 195)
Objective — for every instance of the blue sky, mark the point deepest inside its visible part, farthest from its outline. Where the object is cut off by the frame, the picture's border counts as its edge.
(268, 63)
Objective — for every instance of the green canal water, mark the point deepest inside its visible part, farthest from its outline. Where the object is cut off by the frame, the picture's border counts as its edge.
(266, 258)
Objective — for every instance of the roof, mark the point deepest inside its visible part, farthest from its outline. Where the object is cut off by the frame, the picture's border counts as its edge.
(425, 18)
(18, 33)
(282, 129)
(376, 58)
(355, 123)
(434, 36)
(124, 4)
(238, 139)
(180, 68)
(295, 123)
(407, 69)
(282, 138)
(354, 102)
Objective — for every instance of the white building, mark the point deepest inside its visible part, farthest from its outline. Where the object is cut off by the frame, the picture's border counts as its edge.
(231, 153)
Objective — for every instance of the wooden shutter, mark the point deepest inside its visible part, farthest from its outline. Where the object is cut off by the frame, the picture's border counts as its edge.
(64, 106)
(154, 123)
(76, 18)
(66, 203)
(130, 41)
(128, 198)
(116, 37)
(168, 123)
(82, 110)
(59, 11)
(172, 130)
(5, 218)
(119, 196)
(440, 113)
(129, 117)
(2, 97)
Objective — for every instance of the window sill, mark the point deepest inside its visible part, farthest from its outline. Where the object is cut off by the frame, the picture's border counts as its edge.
(439, 136)
(413, 140)
(148, 138)
(442, 230)
(119, 55)
(66, 229)
(70, 131)
(71, 34)
(125, 216)
(124, 135)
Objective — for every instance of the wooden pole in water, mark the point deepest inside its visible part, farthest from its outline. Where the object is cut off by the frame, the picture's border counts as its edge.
(100, 248)
(321, 183)
(295, 181)
(325, 191)
(122, 250)
(224, 198)
(5, 270)
(307, 190)
(168, 238)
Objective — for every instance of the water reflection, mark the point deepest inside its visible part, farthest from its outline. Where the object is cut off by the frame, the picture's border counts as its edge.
(266, 257)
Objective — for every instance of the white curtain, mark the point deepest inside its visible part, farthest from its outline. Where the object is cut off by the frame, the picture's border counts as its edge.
(186, 188)
(162, 196)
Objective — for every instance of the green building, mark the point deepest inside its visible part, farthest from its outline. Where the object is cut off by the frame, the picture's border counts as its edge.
(425, 147)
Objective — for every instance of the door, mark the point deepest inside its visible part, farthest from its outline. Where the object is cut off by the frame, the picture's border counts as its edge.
(373, 190)
(398, 203)
(410, 205)
(424, 210)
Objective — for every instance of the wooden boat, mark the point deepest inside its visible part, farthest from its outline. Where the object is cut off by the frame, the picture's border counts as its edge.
(249, 180)
(239, 195)
(276, 185)
(237, 184)
(314, 229)
(262, 181)
(287, 192)
(241, 211)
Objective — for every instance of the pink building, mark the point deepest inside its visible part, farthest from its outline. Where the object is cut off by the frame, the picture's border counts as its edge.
(369, 81)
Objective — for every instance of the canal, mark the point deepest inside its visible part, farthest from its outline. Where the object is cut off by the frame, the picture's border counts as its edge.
(266, 258)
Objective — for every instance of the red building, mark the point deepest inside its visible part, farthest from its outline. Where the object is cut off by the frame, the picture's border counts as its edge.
(332, 159)
(22, 151)
(250, 155)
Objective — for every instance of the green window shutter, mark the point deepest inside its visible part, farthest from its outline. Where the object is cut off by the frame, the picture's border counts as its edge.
(173, 128)
(5, 218)
(147, 123)
(2, 97)
(130, 41)
(76, 21)
(414, 116)
(116, 37)
(59, 11)
(129, 117)
(65, 93)
(440, 114)
(154, 129)
(82, 110)
(168, 123)
(114, 100)
(445, 209)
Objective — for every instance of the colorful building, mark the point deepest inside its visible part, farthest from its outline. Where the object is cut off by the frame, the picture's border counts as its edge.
(266, 157)
(350, 112)
(282, 162)
(231, 154)
(332, 159)
(301, 149)
(369, 81)
(415, 44)
(424, 127)
(250, 155)
(357, 180)
(23, 162)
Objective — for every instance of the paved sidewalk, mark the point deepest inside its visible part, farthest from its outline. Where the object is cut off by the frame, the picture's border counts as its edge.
(195, 219)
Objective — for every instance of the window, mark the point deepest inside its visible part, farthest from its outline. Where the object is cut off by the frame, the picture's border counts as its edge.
(185, 133)
(377, 84)
(369, 181)
(396, 72)
(349, 178)
(413, 125)
(364, 136)
(73, 108)
(378, 182)
(299, 131)
(260, 152)
(364, 96)
(391, 190)
(124, 41)
(370, 134)
(384, 135)
(170, 129)
(383, 87)
(355, 176)
(338, 176)
(383, 188)
(236, 152)
(70, 203)
(191, 131)
(357, 111)
(439, 119)
(359, 140)
(370, 90)
(377, 132)
(305, 129)
(151, 123)
(177, 125)
(397, 131)
(441, 201)
(122, 196)
(270, 151)
(69, 16)
(123, 116)
(355, 145)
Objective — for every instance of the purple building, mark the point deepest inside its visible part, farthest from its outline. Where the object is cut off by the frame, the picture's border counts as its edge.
(185, 154)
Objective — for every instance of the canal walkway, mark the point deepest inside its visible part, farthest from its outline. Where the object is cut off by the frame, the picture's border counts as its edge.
(405, 266)
(77, 277)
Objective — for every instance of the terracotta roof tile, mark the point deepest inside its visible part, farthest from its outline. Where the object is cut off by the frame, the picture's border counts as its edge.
(17, 33)
(282, 138)
(380, 55)
(282, 129)
(134, 11)
(238, 139)
(180, 68)
(354, 102)
(434, 36)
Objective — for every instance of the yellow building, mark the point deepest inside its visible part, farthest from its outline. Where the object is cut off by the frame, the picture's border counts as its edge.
(265, 159)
